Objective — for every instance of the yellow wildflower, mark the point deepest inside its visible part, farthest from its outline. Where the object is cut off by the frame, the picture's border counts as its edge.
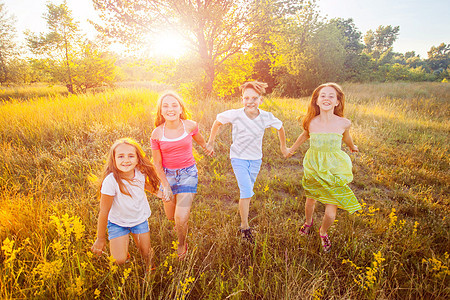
(393, 218)
(318, 294)
(49, 270)
(415, 227)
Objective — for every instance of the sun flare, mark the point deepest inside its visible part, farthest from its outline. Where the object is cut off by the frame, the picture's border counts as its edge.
(168, 44)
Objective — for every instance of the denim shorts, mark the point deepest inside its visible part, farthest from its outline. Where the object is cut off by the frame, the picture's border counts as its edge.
(115, 231)
(246, 172)
(182, 180)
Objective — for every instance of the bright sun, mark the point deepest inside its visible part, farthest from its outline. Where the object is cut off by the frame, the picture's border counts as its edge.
(168, 44)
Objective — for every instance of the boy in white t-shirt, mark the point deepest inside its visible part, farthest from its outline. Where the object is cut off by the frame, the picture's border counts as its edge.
(249, 124)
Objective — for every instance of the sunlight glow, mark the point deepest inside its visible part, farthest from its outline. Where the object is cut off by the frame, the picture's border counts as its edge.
(168, 44)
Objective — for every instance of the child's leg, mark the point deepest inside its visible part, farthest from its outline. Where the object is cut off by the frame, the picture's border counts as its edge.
(244, 208)
(246, 172)
(119, 248)
(309, 210)
(142, 241)
(182, 211)
(169, 208)
(328, 218)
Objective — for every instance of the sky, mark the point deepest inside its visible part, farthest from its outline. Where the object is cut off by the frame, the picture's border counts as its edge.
(423, 24)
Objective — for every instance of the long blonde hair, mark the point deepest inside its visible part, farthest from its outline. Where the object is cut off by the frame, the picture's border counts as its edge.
(313, 108)
(159, 118)
(144, 165)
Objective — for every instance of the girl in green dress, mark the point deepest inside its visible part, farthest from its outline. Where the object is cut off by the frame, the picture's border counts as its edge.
(327, 169)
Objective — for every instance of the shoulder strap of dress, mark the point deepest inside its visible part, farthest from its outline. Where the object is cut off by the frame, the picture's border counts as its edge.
(184, 127)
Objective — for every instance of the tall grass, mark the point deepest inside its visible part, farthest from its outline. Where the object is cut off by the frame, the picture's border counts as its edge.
(396, 247)
(32, 90)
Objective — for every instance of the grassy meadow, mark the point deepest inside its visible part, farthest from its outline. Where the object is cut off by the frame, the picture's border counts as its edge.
(397, 247)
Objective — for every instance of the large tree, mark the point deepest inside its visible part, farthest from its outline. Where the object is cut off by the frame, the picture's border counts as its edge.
(60, 42)
(216, 29)
(309, 52)
(355, 64)
(64, 55)
(439, 57)
(378, 43)
(7, 44)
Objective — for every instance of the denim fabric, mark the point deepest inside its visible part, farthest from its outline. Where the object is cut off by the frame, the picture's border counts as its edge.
(246, 172)
(115, 231)
(183, 180)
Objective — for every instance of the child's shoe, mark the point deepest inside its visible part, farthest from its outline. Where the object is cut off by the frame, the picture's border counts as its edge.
(247, 235)
(326, 243)
(305, 229)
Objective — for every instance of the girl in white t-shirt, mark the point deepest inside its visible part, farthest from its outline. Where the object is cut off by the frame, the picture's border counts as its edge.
(124, 207)
(249, 124)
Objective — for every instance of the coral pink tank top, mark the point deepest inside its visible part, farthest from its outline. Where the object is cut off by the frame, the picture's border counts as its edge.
(176, 153)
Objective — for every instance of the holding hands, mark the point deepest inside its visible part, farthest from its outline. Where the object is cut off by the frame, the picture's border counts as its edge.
(285, 152)
(209, 149)
(167, 194)
(354, 149)
(289, 152)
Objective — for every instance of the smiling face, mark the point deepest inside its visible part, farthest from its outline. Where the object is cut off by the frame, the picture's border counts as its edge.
(126, 160)
(170, 108)
(327, 99)
(251, 100)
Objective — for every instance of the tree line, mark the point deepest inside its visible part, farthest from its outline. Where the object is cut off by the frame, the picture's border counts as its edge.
(285, 43)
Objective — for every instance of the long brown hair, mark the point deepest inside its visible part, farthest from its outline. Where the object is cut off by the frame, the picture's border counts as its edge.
(313, 108)
(144, 165)
(159, 118)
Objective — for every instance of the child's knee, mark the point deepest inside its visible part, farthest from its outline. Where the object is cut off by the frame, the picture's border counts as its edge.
(330, 213)
(181, 220)
(310, 202)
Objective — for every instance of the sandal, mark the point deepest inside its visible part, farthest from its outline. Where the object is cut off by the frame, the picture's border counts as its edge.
(326, 243)
(304, 230)
(247, 235)
(182, 256)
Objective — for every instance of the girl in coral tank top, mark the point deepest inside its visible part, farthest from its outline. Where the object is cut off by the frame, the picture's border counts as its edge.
(174, 162)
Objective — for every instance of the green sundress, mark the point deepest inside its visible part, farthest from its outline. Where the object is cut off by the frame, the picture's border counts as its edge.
(327, 171)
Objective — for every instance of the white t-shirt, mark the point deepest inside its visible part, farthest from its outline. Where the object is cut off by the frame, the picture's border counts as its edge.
(127, 211)
(248, 134)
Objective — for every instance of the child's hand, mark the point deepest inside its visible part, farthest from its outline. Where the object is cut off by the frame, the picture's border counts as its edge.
(354, 149)
(167, 194)
(209, 149)
(285, 151)
(289, 152)
(98, 246)
(159, 194)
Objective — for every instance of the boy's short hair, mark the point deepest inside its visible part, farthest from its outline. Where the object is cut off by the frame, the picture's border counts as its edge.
(259, 87)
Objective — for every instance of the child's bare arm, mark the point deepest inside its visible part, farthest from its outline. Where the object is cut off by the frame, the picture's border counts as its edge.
(149, 188)
(282, 138)
(300, 140)
(105, 206)
(212, 136)
(200, 140)
(157, 161)
(346, 137)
